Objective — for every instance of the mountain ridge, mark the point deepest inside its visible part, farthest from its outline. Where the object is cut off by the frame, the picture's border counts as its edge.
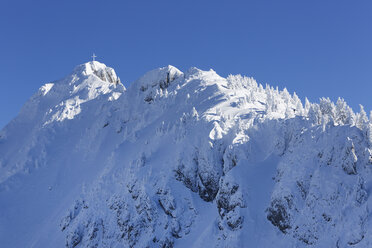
(172, 161)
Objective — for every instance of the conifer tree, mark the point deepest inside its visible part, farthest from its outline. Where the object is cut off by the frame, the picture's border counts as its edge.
(344, 114)
(362, 119)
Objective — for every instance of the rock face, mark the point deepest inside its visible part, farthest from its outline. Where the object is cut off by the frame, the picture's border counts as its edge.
(183, 160)
(325, 188)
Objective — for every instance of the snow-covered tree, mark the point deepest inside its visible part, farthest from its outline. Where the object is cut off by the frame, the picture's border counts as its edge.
(344, 114)
(361, 119)
(285, 95)
(307, 106)
(327, 109)
(314, 114)
(299, 110)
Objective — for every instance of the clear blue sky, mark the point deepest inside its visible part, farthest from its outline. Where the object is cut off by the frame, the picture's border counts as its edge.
(315, 48)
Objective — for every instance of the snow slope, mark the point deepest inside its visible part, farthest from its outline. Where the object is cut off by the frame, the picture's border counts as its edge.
(183, 159)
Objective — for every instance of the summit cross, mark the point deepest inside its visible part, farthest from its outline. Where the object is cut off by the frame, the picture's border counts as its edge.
(94, 57)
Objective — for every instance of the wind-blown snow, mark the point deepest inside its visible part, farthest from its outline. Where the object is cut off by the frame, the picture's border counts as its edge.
(183, 159)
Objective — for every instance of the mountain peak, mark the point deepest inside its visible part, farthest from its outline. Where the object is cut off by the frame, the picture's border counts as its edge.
(62, 99)
(98, 69)
(162, 76)
(89, 67)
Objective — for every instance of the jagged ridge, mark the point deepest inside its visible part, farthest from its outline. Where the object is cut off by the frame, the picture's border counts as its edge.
(173, 161)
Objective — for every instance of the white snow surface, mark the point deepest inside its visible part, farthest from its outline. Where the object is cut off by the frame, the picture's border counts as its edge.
(183, 160)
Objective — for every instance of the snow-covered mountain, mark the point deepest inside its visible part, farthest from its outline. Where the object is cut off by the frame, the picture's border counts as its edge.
(183, 159)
